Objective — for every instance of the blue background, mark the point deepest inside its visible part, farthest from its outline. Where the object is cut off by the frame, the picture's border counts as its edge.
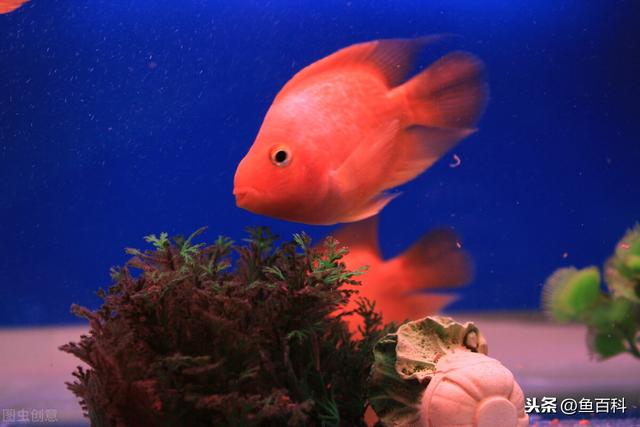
(120, 119)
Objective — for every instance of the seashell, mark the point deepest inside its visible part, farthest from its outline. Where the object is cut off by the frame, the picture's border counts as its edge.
(434, 372)
(472, 390)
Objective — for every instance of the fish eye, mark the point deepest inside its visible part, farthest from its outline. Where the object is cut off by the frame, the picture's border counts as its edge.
(280, 156)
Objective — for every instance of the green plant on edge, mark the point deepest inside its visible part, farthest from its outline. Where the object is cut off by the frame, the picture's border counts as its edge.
(612, 316)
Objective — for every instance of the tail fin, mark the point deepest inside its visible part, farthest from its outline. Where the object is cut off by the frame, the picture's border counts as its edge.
(436, 260)
(7, 6)
(451, 93)
(444, 101)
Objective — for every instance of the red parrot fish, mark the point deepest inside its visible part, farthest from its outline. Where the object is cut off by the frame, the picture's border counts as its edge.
(7, 6)
(398, 285)
(349, 127)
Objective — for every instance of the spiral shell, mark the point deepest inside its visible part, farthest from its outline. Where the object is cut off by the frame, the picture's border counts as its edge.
(472, 390)
(435, 372)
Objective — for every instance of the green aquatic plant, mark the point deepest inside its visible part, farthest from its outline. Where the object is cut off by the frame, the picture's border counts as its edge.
(227, 335)
(612, 315)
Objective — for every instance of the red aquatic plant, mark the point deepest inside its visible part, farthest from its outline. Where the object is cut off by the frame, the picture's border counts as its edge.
(226, 335)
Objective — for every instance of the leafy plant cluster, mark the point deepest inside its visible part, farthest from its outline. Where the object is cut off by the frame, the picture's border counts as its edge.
(188, 340)
(612, 315)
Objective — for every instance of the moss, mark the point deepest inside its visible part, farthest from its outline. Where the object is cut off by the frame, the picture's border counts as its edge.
(612, 316)
(227, 335)
(571, 294)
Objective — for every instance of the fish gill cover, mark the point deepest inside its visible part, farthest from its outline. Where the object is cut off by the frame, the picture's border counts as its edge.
(203, 337)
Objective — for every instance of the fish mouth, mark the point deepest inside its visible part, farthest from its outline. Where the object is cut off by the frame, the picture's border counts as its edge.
(242, 195)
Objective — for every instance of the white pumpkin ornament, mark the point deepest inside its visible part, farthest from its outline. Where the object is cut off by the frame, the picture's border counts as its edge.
(434, 372)
(474, 390)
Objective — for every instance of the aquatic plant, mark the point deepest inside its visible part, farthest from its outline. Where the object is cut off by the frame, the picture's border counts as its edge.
(612, 315)
(226, 335)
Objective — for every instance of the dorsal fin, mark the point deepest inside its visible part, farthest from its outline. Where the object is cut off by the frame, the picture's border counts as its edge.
(361, 236)
(394, 58)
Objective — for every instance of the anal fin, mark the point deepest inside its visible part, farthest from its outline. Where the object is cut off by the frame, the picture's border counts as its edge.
(373, 207)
